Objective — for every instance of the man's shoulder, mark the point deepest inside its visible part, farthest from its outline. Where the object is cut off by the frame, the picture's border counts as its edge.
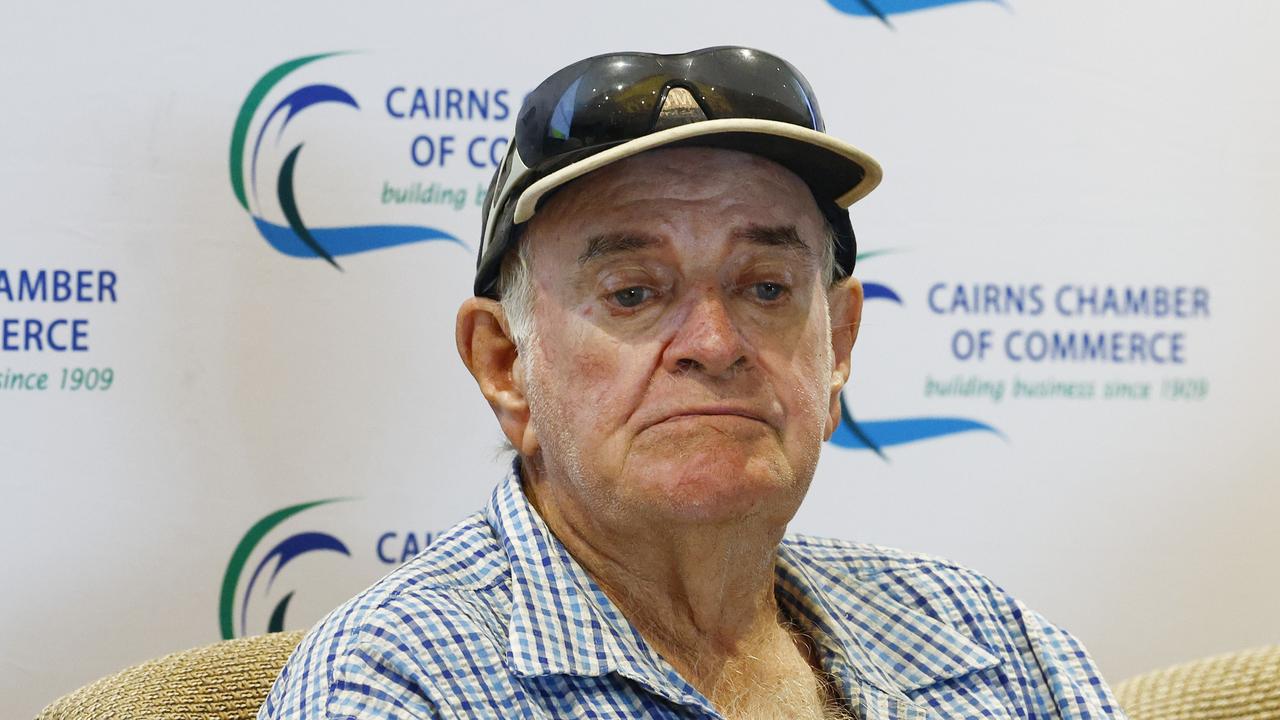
(466, 556)
(458, 564)
(435, 599)
(903, 602)
(866, 561)
(924, 583)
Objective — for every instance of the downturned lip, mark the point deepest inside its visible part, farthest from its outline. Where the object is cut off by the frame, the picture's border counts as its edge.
(706, 411)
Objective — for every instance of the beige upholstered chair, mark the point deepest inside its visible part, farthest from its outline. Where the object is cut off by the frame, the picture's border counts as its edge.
(1242, 686)
(229, 681)
(225, 681)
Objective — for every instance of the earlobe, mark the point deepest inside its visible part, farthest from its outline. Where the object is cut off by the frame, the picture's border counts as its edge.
(490, 354)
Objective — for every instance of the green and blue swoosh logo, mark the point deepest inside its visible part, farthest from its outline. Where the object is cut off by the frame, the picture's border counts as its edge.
(275, 559)
(876, 435)
(295, 238)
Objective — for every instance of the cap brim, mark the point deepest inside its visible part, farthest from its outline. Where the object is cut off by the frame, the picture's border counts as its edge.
(831, 167)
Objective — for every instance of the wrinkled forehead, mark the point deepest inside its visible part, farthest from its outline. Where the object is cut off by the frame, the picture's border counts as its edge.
(682, 193)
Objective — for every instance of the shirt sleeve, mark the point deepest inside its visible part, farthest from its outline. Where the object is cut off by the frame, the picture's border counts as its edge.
(1064, 666)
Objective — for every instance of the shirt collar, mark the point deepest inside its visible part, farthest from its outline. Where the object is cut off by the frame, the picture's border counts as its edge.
(885, 643)
(563, 623)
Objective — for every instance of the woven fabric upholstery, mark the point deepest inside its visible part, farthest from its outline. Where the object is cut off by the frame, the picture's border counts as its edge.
(1242, 686)
(224, 681)
(229, 680)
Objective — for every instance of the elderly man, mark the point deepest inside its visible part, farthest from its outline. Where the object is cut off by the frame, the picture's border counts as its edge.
(662, 325)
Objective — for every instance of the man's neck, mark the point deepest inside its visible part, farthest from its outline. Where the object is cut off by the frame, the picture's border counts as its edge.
(710, 586)
(702, 597)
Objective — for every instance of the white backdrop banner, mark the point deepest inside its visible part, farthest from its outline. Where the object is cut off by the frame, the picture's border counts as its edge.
(233, 239)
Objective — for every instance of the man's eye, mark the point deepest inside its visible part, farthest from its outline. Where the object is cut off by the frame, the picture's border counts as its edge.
(632, 296)
(768, 291)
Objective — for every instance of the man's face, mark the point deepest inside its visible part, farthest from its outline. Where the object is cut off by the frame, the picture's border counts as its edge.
(681, 367)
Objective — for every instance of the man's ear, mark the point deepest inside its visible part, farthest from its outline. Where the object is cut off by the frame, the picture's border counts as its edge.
(489, 352)
(845, 302)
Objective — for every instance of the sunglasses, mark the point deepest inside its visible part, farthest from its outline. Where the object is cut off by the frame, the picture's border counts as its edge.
(608, 100)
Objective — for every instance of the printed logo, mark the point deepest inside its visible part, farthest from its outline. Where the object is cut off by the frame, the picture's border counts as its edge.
(285, 552)
(875, 435)
(291, 234)
(882, 9)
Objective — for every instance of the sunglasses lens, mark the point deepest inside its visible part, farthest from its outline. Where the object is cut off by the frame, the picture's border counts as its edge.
(586, 105)
(611, 99)
(738, 82)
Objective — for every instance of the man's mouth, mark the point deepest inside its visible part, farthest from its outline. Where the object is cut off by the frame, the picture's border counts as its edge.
(706, 411)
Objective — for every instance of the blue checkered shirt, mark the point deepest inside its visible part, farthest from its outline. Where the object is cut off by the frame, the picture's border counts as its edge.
(496, 620)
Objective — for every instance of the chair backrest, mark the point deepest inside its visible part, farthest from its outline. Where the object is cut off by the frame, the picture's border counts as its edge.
(230, 680)
(224, 681)
(1242, 685)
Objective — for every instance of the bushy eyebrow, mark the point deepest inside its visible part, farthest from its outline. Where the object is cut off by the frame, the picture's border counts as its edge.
(612, 243)
(784, 236)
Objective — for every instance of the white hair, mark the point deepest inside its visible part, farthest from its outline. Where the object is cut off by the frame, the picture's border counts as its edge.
(515, 292)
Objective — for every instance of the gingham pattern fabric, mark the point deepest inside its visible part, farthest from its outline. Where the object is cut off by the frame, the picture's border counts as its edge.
(496, 620)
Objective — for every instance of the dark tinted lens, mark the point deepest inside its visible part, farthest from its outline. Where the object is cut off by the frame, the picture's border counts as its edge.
(589, 103)
(614, 98)
(745, 83)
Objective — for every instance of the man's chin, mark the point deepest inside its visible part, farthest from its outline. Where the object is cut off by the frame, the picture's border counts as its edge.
(711, 486)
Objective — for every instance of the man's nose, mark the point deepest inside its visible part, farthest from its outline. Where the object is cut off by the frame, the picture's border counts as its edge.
(707, 340)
